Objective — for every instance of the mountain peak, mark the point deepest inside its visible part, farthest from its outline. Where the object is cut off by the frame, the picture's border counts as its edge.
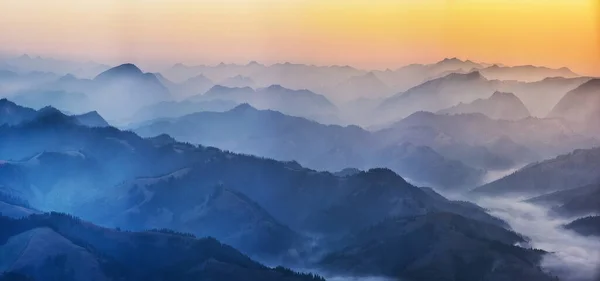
(276, 87)
(593, 84)
(91, 119)
(124, 69)
(6, 102)
(370, 75)
(179, 65)
(244, 107)
(474, 75)
(450, 60)
(198, 78)
(48, 110)
(219, 88)
(503, 95)
(384, 175)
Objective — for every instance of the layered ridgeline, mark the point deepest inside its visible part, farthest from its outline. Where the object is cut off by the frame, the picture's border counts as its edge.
(434, 95)
(455, 87)
(436, 247)
(302, 103)
(336, 78)
(184, 89)
(115, 93)
(480, 141)
(587, 226)
(579, 201)
(122, 180)
(272, 134)
(447, 151)
(13, 114)
(56, 246)
(581, 106)
(500, 105)
(573, 170)
(118, 92)
(27, 64)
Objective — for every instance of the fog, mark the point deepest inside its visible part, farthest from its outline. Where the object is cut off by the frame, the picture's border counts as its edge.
(491, 176)
(572, 257)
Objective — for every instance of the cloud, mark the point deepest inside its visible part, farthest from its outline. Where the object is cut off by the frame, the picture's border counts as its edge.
(572, 257)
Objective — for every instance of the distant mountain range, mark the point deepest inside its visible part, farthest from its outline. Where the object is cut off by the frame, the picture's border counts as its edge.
(245, 129)
(483, 142)
(564, 172)
(581, 106)
(256, 192)
(435, 95)
(173, 109)
(26, 63)
(13, 114)
(270, 210)
(302, 103)
(526, 73)
(505, 106)
(579, 201)
(192, 86)
(444, 84)
(588, 226)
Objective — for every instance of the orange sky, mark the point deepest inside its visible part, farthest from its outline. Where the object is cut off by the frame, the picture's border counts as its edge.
(362, 33)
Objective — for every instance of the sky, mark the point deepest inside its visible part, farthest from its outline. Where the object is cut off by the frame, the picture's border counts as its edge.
(371, 34)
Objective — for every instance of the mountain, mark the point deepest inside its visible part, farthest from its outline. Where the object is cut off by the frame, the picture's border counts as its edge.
(60, 247)
(238, 81)
(412, 75)
(541, 96)
(436, 246)
(218, 212)
(301, 76)
(366, 86)
(91, 119)
(12, 114)
(302, 103)
(484, 142)
(124, 88)
(198, 84)
(14, 207)
(173, 109)
(500, 105)
(14, 83)
(120, 179)
(572, 202)
(124, 155)
(581, 104)
(26, 63)
(435, 95)
(115, 93)
(220, 72)
(333, 148)
(588, 226)
(575, 169)
(53, 179)
(528, 73)
(37, 98)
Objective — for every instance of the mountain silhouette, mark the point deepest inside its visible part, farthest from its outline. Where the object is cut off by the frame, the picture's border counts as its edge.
(500, 105)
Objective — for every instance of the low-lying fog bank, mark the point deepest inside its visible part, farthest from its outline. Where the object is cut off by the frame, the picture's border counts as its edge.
(573, 257)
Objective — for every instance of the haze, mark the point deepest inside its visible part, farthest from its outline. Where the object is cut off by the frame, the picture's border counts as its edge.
(361, 33)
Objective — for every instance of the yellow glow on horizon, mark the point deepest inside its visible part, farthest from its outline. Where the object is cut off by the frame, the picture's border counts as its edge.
(363, 33)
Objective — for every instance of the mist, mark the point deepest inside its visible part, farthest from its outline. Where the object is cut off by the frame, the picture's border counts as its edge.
(571, 257)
